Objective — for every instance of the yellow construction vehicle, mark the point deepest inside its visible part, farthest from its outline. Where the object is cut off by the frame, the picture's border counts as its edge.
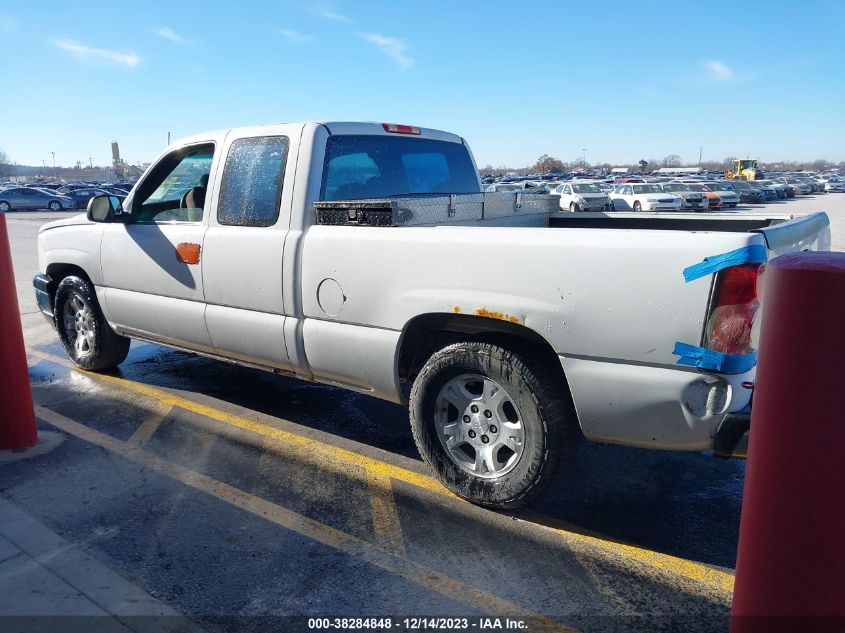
(743, 169)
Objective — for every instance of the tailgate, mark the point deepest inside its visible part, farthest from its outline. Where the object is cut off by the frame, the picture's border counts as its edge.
(807, 233)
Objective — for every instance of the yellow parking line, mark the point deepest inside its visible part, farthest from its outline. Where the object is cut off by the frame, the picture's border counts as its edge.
(328, 455)
(386, 525)
(415, 572)
(149, 426)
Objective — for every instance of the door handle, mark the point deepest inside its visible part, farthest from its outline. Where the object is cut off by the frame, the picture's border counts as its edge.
(188, 253)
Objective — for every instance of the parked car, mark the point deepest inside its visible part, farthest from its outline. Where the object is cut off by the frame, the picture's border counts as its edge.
(726, 193)
(644, 197)
(694, 200)
(714, 201)
(32, 198)
(82, 196)
(504, 186)
(66, 189)
(582, 196)
(115, 190)
(814, 186)
(778, 187)
(835, 185)
(801, 187)
(748, 193)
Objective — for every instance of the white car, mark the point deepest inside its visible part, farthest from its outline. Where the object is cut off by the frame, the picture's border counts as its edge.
(503, 186)
(690, 199)
(644, 196)
(582, 196)
(835, 185)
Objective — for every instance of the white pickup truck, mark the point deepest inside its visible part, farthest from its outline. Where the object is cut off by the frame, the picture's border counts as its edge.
(509, 335)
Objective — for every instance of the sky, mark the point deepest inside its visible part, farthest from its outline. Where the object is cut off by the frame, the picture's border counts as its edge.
(617, 81)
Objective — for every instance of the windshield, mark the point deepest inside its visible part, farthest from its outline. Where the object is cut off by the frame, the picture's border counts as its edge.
(721, 186)
(370, 166)
(696, 187)
(647, 189)
(672, 186)
(585, 188)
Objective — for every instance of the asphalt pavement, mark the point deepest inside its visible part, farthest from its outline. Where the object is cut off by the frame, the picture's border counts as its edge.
(238, 498)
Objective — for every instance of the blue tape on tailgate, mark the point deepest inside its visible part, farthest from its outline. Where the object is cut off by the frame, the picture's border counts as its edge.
(754, 254)
(715, 361)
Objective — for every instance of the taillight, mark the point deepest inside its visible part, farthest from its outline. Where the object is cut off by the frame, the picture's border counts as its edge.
(395, 128)
(734, 306)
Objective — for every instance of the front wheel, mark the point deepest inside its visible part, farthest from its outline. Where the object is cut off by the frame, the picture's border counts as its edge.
(88, 338)
(638, 206)
(573, 207)
(492, 426)
(5, 207)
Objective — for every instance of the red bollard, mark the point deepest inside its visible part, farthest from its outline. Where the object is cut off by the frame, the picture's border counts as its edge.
(17, 418)
(790, 572)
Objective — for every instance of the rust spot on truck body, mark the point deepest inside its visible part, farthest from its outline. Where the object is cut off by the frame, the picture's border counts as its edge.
(494, 314)
(456, 309)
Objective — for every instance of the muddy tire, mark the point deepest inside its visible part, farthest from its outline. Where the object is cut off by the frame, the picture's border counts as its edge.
(88, 338)
(493, 426)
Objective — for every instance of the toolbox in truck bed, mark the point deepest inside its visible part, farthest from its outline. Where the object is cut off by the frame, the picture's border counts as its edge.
(423, 210)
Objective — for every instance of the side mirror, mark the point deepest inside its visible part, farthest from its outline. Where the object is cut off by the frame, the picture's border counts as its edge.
(103, 208)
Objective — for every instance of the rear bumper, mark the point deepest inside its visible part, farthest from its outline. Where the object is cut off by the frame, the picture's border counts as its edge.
(658, 407)
(41, 283)
(731, 438)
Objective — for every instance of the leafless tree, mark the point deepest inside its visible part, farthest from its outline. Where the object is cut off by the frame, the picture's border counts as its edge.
(5, 164)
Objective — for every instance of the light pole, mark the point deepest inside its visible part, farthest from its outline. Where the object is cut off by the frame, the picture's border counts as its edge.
(585, 158)
(54, 163)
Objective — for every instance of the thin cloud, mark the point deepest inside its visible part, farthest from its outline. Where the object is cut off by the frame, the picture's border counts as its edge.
(89, 52)
(327, 14)
(295, 37)
(393, 47)
(165, 32)
(718, 72)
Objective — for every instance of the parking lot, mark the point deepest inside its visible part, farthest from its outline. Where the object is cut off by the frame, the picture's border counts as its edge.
(231, 495)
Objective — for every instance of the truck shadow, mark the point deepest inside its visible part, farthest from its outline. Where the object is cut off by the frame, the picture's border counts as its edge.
(682, 504)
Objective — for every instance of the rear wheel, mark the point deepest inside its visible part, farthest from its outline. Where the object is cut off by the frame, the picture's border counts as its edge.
(54, 206)
(492, 427)
(637, 206)
(88, 338)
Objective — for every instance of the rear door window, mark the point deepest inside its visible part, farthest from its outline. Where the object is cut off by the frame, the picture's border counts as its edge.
(251, 189)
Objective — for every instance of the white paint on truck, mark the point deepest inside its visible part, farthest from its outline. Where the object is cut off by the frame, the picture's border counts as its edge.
(336, 304)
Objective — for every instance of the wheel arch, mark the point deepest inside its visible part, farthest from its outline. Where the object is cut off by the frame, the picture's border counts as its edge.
(427, 333)
(58, 271)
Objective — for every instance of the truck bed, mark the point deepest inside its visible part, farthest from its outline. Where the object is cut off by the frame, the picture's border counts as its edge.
(520, 209)
(667, 221)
